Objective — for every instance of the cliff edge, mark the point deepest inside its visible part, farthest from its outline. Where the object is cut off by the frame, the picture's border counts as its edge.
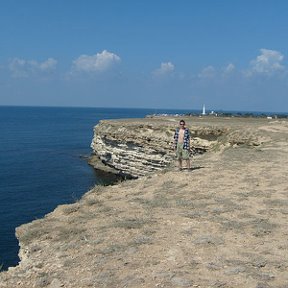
(222, 224)
(138, 147)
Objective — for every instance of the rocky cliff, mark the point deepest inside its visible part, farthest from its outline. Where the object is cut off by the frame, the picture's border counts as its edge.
(221, 224)
(139, 147)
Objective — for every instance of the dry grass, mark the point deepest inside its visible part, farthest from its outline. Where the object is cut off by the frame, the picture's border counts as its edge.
(131, 223)
(222, 225)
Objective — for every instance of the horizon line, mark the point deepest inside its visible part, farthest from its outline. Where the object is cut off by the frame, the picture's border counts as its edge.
(143, 108)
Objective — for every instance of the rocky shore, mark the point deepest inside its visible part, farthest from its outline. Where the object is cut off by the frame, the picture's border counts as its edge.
(223, 223)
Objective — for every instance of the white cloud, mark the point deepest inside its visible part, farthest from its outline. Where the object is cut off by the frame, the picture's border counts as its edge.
(207, 72)
(267, 63)
(98, 62)
(165, 69)
(48, 65)
(21, 68)
(229, 68)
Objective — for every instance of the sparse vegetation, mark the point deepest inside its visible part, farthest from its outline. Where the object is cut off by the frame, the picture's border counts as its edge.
(93, 201)
(32, 233)
(69, 232)
(131, 223)
(159, 201)
(71, 208)
(185, 203)
(43, 280)
(141, 240)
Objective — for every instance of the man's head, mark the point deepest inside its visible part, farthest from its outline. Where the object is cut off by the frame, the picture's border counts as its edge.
(182, 123)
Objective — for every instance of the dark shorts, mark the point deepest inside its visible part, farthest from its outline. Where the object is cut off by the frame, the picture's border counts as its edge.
(182, 153)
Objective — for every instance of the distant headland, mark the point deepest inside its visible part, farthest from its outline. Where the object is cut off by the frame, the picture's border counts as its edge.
(212, 113)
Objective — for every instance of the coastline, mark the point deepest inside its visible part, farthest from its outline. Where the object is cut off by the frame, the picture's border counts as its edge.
(223, 223)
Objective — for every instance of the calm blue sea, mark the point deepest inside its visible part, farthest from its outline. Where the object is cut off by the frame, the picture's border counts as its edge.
(41, 163)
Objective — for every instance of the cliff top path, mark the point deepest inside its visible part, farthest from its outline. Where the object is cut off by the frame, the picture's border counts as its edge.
(222, 224)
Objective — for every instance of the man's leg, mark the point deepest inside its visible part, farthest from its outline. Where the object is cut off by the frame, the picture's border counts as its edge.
(186, 158)
(180, 163)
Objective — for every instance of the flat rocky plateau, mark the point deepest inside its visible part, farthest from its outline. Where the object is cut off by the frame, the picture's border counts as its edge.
(224, 223)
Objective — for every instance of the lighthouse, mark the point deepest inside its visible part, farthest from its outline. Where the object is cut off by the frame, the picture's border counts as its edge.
(203, 110)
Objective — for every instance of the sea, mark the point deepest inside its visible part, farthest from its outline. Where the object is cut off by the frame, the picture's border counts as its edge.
(43, 163)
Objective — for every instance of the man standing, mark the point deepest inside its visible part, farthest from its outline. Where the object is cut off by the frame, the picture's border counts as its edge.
(182, 144)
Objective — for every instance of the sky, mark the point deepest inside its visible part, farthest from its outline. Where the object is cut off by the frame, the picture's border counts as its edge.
(227, 54)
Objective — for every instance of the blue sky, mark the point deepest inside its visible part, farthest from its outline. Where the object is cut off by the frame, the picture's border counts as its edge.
(226, 54)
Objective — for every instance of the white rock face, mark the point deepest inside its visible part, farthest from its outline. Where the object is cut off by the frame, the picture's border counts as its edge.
(132, 149)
